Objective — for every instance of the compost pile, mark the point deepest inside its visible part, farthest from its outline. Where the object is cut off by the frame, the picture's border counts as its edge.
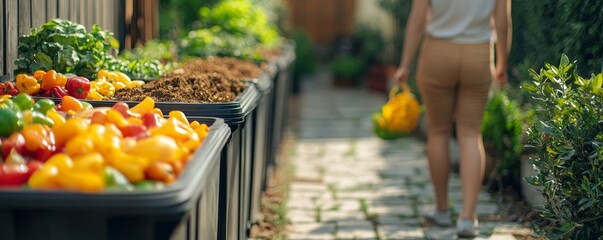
(198, 81)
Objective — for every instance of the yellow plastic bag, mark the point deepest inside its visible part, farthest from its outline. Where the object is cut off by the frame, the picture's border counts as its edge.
(399, 116)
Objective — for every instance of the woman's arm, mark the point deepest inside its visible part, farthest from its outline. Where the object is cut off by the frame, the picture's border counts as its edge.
(415, 27)
(503, 28)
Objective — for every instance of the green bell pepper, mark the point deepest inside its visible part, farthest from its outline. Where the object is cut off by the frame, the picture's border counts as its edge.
(10, 122)
(43, 105)
(40, 118)
(148, 185)
(23, 101)
(115, 180)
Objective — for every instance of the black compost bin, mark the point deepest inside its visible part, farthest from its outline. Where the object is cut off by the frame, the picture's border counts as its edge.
(235, 168)
(262, 133)
(186, 209)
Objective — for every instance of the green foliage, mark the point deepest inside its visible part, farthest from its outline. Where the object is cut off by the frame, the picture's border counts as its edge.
(305, 61)
(208, 42)
(371, 43)
(544, 28)
(347, 68)
(241, 18)
(179, 16)
(399, 10)
(567, 139)
(501, 129)
(65, 47)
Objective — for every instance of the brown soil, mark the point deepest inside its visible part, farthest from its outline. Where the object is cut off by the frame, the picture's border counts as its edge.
(198, 81)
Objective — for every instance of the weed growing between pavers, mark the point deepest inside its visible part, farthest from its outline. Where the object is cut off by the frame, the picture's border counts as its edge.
(333, 190)
(373, 218)
(317, 207)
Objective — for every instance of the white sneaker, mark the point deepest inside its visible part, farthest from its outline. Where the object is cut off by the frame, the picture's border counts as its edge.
(442, 219)
(467, 228)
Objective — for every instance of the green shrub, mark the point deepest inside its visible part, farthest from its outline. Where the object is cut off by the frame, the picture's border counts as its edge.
(347, 68)
(305, 61)
(241, 18)
(501, 129)
(567, 139)
(208, 42)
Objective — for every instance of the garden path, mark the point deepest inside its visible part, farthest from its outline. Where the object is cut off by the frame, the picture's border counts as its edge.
(349, 184)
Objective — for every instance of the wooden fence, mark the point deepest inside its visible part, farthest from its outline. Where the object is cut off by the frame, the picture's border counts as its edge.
(130, 20)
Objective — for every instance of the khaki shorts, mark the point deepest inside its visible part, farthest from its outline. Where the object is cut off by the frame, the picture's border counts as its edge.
(454, 80)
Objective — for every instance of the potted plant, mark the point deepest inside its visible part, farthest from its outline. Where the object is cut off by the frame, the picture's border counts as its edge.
(346, 71)
(371, 48)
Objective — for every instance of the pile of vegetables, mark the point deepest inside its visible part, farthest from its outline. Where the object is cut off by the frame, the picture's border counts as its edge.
(72, 146)
(58, 85)
(67, 47)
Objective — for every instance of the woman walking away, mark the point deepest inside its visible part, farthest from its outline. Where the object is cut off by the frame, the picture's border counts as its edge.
(454, 76)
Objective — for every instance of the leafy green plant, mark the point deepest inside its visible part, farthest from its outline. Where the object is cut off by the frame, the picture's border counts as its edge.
(567, 139)
(347, 68)
(371, 43)
(65, 47)
(501, 130)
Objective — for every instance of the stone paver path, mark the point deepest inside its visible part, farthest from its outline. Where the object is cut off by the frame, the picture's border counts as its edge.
(349, 184)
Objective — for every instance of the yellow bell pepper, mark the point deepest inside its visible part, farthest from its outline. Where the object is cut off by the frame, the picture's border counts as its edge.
(123, 78)
(113, 116)
(27, 84)
(175, 129)
(145, 106)
(81, 181)
(44, 178)
(118, 85)
(179, 115)
(157, 148)
(93, 162)
(134, 84)
(80, 146)
(55, 117)
(94, 95)
(69, 129)
(132, 166)
(106, 89)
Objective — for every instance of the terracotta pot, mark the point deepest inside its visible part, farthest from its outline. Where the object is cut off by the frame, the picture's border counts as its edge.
(377, 77)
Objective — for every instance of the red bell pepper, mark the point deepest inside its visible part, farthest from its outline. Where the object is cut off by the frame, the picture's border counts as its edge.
(17, 174)
(135, 131)
(8, 88)
(15, 141)
(78, 87)
(124, 109)
(56, 92)
(40, 142)
(150, 120)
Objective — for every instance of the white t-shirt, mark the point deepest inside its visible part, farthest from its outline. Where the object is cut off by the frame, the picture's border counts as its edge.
(464, 21)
